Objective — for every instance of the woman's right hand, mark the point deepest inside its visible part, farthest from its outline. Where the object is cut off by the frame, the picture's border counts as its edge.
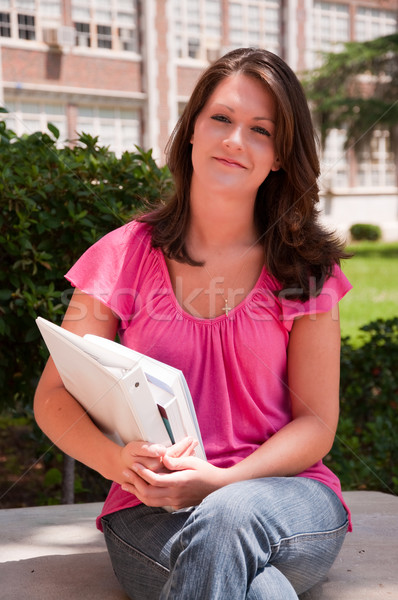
(151, 455)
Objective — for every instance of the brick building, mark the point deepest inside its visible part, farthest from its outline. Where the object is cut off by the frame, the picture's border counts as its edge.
(123, 69)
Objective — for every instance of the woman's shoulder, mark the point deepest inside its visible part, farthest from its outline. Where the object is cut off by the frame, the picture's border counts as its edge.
(130, 239)
(335, 287)
(118, 248)
(133, 232)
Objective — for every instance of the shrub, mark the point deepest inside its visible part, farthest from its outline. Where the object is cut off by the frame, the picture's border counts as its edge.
(365, 452)
(365, 231)
(54, 204)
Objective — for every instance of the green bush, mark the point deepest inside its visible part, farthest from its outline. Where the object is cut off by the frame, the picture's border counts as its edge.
(365, 452)
(54, 204)
(365, 231)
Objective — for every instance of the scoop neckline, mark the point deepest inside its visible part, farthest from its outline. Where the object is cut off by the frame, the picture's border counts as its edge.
(208, 320)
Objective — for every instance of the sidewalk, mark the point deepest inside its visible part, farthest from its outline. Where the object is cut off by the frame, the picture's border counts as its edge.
(56, 553)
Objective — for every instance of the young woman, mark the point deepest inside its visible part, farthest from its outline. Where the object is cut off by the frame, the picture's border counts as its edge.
(234, 282)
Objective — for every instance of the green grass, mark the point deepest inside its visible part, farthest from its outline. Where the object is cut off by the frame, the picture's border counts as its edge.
(373, 272)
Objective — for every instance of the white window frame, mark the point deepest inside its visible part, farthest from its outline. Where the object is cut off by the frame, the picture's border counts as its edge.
(334, 164)
(371, 23)
(263, 31)
(197, 27)
(5, 24)
(120, 16)
(334, 13)
(118, 120)
(23, 120)
(376, 164)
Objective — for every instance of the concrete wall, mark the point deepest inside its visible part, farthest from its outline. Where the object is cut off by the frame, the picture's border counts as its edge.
(340, 211)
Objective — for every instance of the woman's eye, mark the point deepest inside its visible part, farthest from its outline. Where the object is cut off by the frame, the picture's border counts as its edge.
(262, 131)
(221, 118)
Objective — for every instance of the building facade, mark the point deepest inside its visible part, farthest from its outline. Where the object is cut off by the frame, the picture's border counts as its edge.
(123, 70)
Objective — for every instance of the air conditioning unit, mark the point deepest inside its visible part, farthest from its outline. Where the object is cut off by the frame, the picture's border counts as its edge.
(56, 37)
(50, 36)
(66, 35)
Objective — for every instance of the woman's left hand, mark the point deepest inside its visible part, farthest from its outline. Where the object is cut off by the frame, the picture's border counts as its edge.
(184, 482)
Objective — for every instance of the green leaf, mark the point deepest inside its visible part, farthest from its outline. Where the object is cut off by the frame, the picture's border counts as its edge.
(54, 130)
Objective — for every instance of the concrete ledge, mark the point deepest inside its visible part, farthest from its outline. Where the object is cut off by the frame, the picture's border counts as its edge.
(56, 553)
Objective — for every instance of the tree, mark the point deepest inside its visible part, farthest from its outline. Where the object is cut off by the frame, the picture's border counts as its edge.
(357, 89)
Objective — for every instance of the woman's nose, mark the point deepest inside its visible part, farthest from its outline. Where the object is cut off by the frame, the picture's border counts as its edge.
(234, 141)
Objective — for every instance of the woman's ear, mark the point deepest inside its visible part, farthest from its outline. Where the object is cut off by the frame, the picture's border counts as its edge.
(276, 166)
(191, 140)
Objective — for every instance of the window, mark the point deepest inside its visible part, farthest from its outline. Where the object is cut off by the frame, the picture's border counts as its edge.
(127, 39)
(5, 25)
(334, 164)
(371, 23)
(117, 128)
(28, 19)
(197, 26)
(255, 23)
(26, 27)
(104, 36)
(83, 35)
(376, 165)
(28, 117)
(331, 27)
(106, 24)
(50, 9)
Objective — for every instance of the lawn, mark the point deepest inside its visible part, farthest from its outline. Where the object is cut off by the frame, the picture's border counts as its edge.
(373, 272)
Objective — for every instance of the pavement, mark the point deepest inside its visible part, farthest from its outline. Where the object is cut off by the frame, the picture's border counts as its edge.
(56, 553)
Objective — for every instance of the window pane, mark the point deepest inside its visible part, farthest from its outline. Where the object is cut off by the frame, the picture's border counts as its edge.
(103, 16)
(50, 8)
(127, 40)
(82, 37)
(80, 14)
(125, 19)
(104, 36)
(25, 4)
(26, 27)
(107, 113)
(5, 25)
(54, 109)
(86, 111)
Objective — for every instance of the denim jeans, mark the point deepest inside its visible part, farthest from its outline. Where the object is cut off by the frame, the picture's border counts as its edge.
(270, 538)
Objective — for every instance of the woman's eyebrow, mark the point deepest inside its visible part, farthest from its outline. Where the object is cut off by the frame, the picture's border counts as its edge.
(263, 119)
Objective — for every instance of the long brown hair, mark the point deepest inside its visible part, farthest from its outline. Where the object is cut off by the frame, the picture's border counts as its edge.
(296, 247)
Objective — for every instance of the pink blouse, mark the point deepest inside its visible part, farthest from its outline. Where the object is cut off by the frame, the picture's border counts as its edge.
(235, 364)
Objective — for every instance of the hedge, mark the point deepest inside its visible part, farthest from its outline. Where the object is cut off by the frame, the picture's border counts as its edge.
(55, 203)
(365, 231)
(365, 452)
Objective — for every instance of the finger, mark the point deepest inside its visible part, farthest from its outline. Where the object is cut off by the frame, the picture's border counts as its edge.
(142, 450)
(148, 494)
(184, 447)
(150, 450)
(159, 479)
(179, 463)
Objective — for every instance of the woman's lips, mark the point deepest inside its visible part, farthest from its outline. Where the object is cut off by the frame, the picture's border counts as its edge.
(229, 163)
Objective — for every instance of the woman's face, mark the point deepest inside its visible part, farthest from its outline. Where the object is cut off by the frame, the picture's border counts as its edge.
(233, 138)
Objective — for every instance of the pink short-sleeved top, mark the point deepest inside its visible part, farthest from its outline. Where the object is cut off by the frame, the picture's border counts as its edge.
(235, 365)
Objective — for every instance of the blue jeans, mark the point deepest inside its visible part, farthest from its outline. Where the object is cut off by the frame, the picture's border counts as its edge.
(270, 538)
